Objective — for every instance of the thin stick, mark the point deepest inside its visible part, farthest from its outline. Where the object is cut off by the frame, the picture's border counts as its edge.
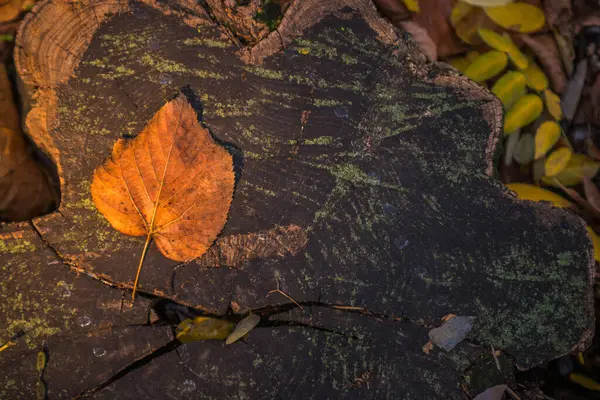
(513, 394)
(284, 294)
(496, 358)
(137, 276)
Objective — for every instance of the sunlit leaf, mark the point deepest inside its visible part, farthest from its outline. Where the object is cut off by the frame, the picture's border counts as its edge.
(203, 328)
(553, 104)
(595, 241)
(526, 110)
(557, 161)
(242, 328)
(536, 78)
(525, 149)
(526, 191)
(412, 5)
(504, 43)
(546, 137)
(460, 63)
(509, 88)
(579, 166)
(487, 65)
(520, 17)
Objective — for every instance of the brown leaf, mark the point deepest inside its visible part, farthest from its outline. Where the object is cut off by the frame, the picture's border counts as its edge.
(592, 194)
(558, 12)
(25, 187)
(427, 347)
(422, 38)
(172, 184)
(544, 47)
(435, 18)
(394, 10)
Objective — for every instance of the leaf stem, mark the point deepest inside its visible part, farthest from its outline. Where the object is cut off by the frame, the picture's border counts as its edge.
(137, 276)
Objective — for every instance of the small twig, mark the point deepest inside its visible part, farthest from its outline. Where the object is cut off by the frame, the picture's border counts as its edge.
(284, 294)
(496, 358)
(512, 394)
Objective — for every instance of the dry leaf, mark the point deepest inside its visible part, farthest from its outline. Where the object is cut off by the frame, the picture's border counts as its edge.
(434, 17)
(509, 88)
(448, 317)
(553, 104)
(488, 3)
(544, 48)
(511, 146)
(10, 10)
(558, 12)
(172, 184)
(420, 35)
(26, 190)
(572, 94)
(579, 166)
(520, 17)
(394, 10)
(525, 149)
(242, 328)
(526, 110)
(487, 65)
(427, 347)
(412, 5)
(460, 63)
(592, 194)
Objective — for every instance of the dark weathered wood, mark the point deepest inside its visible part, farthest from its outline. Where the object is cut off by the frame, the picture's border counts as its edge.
(364, 179)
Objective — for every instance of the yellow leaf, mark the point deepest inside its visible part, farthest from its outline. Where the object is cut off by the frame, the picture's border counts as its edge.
(596, 242)
(526, 191)
(520, 17)
(41, 361)
(203, 328)
(460, 63)
(579, 166)
(504, 43)
(553, 104)
(509, 88)
(487, 3)
(526, 110)
(546, 137)
(172, 184)
(557, 161)
(459, 11)
(536, 79)
(412, 5)
(472, 55)
(487, 65)
(584, 381)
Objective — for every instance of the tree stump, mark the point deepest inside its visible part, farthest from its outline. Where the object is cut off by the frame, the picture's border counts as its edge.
(365, 193)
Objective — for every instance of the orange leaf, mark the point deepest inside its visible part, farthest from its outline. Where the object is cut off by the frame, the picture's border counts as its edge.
(172, 183)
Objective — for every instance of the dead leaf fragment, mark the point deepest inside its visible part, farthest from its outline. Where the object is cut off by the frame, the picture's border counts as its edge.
(172, 183)
(427, 347)
(203, 328)
(242, 328)
(421, 36)
(452, 332)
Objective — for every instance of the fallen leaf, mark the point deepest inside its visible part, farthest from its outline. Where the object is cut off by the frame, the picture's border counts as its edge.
(572, 95)
(579, 166)
(536, 78)
(558, 12)
(242, 328)
(546, 137)
(488, 3)
(434, 17)
(520, 17)
(460, 10)
(538, 170)
(493, 393)
(460, 63)
(427, 347)
(452, 332)
(553, 104)
(393, 10)
(203, 328)
(544, 48)
(487, 65)
(472, 55)
(592, 194)
(421, 36)
(526, 110)
(467, 21)
(526, 191)
(584, 381)
(172, 183)
(41, 361)
(509, 88)
(557, 161)
(412, 5)
(448, 317)
(26, 189)
(504, 43)
(41, 391)
(10, 10)
(511, 145)
(525, 149)
(595, 241)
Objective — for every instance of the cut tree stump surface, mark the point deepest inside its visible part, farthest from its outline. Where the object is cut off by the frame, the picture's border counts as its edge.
(365, 190)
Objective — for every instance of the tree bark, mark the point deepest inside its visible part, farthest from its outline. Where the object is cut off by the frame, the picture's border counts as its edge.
(365, 191)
